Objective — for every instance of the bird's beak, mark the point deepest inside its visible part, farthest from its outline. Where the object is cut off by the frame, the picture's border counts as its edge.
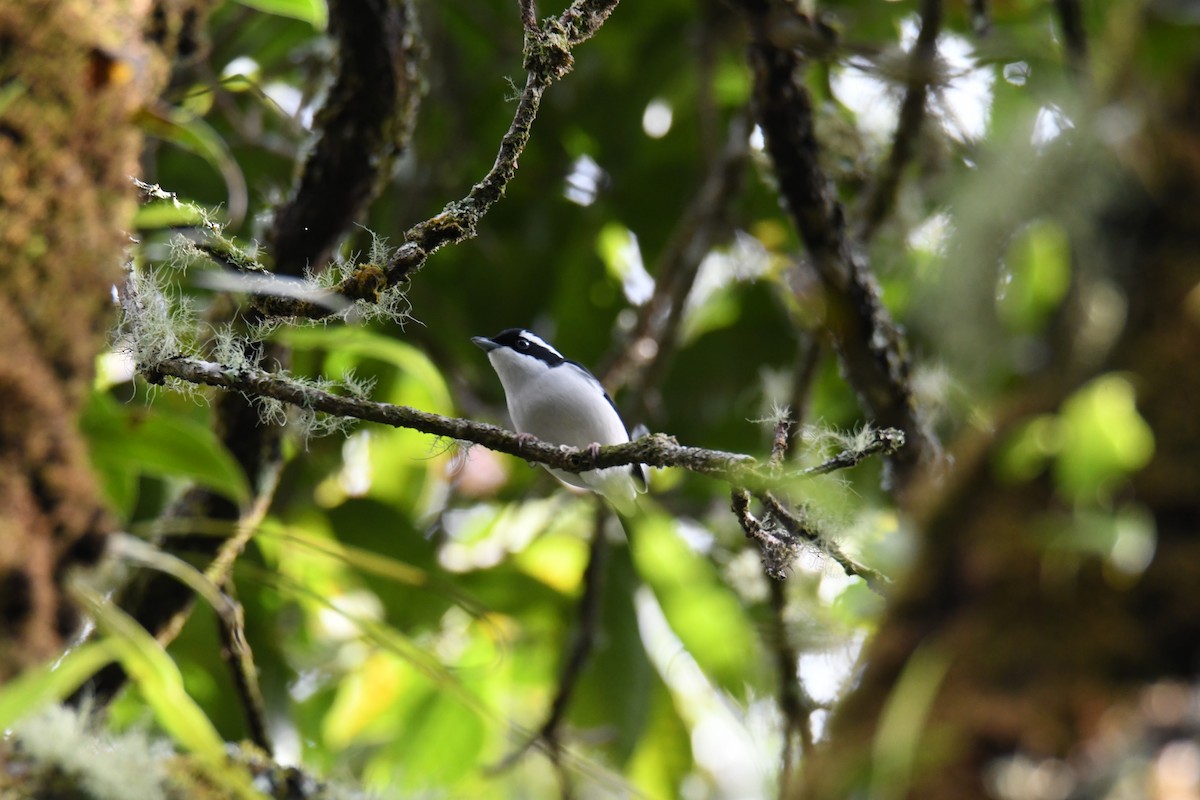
(484, 343)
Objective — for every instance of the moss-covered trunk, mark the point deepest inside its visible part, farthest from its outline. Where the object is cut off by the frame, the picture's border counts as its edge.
(72, 75)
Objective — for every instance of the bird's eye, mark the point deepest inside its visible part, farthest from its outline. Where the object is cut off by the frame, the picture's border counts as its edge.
(522, 344)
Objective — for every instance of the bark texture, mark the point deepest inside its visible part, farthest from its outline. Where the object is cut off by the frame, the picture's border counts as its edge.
(72, 75)
(870, 346)
(365, 123)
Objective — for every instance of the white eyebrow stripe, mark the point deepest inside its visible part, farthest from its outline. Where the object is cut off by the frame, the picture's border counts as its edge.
(535, 339)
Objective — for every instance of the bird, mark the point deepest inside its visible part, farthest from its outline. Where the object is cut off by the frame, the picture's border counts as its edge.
(558, 401)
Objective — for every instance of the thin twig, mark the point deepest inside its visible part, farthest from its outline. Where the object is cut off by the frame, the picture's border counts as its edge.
(870, 345)
(781, 441)
(778, 548)
(236, 653)
(781, 531)
(885, 441)
(655, 334)
(1070, 19)
(577, 656)
(808, 358)
(656, 450)
(794, 702)
(529, 15)
(235, 647)
(922, 69)
(589, 624)
(794, 524)
(547, 59)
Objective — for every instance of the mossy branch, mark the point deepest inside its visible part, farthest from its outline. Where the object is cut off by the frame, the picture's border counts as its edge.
(797, 526)
(655, 450)
(781, 531)
(871, 347)
(547, 59)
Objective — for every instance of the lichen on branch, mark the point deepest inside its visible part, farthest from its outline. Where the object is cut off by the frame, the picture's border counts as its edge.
(655, 450)
(547, 59)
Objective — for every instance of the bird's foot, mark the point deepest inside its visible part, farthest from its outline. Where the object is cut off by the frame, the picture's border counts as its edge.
(524, 439)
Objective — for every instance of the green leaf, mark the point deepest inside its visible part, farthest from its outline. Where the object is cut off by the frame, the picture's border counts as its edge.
(52, 682)
(167, 214)
(422, 385)
(127, 442)
(366, 698)
(1039, 272)
(314, 12)
(556, 559)
(157, 677)
(440, 744)
(857, 604)
(405, 465)
(191, 133)
(718, 310)
(901, 740)
(1104, 437)
(1028, 449)
(664, 755)
(731, 83)
(1096, 439)
(400, 569)
(617, 247)
(702, 611)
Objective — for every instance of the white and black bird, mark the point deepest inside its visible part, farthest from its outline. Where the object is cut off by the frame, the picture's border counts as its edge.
(560, 402)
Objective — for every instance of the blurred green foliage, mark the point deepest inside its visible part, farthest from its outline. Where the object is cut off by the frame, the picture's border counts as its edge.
(1098, 439)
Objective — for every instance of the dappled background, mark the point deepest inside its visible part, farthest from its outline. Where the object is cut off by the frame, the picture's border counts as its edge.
(420, 611)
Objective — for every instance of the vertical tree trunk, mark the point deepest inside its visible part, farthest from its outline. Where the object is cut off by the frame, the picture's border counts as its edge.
(72, 74)
(994, 649)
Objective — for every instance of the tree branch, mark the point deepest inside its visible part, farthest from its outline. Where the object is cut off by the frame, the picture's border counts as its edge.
(797, 526)
(886, 440)
(779, 536)
(585, 636)
(547, 59)
(778, 549)
(655, 335)
(529, 16)
(869, 344)
(1070, 17)
(794, 702)
(238, 658)
(922, 68)
(656, 450)
(365, 122)
(781, 532)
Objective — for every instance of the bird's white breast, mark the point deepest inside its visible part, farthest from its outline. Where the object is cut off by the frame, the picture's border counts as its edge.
(564, 405)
